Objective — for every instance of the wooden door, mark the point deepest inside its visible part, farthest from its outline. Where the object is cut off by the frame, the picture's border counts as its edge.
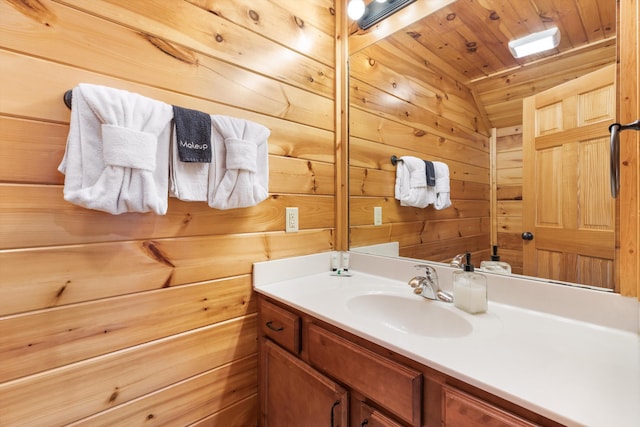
(294, 394)
(567, 203)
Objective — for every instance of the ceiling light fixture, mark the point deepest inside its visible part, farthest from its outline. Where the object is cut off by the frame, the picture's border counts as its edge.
(535, 43)
(355, 9)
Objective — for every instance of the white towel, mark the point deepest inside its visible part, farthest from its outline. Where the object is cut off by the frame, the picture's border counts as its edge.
(442, 188)
(240, 177)
(116, 159)
(188, 181)
(411, 183)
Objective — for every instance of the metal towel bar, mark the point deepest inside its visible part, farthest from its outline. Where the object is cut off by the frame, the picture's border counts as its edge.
(67, 98)
(614, 162)
(395, 160)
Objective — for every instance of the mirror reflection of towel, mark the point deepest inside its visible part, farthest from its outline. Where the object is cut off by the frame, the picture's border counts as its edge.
(411, 183)
(431, 173)
(442, 187)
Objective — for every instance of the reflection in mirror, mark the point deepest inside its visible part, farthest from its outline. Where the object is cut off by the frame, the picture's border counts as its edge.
(447, 89)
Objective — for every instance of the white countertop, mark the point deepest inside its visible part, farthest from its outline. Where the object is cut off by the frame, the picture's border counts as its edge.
(571, 371)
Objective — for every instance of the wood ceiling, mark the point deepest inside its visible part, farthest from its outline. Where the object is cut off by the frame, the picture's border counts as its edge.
(471, 37)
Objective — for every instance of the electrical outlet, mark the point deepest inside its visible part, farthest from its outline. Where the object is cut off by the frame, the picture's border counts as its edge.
(291, 220)
(377, 215)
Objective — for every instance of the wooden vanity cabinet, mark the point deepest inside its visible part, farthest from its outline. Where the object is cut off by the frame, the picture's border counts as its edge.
(314, 374)
(312, 386)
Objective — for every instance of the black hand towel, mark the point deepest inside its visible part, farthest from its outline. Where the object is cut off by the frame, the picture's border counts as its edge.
(431, 173)
(193, 135)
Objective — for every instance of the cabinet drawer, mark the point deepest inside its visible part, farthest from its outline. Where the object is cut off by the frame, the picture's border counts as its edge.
(460, 409)
(370, 417)
(392, 386)
(280, 325)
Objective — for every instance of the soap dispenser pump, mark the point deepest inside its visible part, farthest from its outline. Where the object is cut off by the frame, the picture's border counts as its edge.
(495, 265)
(469, 289)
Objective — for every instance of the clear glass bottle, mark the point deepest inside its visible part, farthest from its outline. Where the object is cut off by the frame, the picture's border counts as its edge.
(470, 289)
(495, 265)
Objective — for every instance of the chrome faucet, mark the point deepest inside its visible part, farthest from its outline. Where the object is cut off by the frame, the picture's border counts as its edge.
(427, 285)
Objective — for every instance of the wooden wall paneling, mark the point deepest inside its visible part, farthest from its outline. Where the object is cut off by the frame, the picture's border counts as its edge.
(99, 383)
(189, 401)
(371, 182)
(182, 40)
(34, 215)
(375, 101)
(241, 414)
(445, 250)
(69, 274)
(300, 176)
(307, 32)
(405, 233)
(366, 126)
(361, 210)
(509, 202)
(409, 84)
(46, 339)
(277, 100)
(368, 153)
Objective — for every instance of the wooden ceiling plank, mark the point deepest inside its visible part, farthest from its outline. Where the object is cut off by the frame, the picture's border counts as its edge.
(398, 21)
(591, 20)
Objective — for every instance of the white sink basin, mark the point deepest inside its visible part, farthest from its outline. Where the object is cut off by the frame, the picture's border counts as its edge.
(408, 315)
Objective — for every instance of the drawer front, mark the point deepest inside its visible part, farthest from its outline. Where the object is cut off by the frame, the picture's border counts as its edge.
(370, 417)
(280, 325)
(460, 409)
(394, 387)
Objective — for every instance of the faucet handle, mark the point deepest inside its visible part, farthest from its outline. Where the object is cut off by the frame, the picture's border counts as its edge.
(429, 271)
(416, 282)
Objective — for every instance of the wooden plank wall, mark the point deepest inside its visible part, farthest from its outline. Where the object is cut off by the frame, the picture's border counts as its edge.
(138, 318)
(508, 215)
(401, 105)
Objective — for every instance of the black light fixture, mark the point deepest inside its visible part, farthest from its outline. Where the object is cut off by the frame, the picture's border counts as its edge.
(377, 11)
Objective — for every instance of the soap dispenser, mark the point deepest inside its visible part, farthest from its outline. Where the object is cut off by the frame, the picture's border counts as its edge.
(495, 265)
(469, 289)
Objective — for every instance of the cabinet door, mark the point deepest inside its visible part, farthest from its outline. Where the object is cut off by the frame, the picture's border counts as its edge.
(294, 394)
(392, 386)
(366, 416)
(460, 409)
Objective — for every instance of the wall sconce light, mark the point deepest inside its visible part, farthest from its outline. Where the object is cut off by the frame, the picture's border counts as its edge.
(535, 43)
(355, 9)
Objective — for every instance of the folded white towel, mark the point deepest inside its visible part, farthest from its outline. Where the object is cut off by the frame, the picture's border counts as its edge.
(411, 183)
(116, 158)
(240, 177)
(442, 188)
(189, 181)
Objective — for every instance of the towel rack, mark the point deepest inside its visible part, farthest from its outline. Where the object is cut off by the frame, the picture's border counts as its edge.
(614, 161)
(395, 160)
(67, 98)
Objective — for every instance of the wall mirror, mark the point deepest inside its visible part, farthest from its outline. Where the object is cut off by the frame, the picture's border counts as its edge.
(442, 85)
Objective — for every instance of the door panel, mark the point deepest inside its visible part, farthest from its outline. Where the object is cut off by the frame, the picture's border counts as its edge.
(566, 200)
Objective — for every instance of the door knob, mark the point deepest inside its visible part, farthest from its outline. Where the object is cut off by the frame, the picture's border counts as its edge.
(527, 235)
